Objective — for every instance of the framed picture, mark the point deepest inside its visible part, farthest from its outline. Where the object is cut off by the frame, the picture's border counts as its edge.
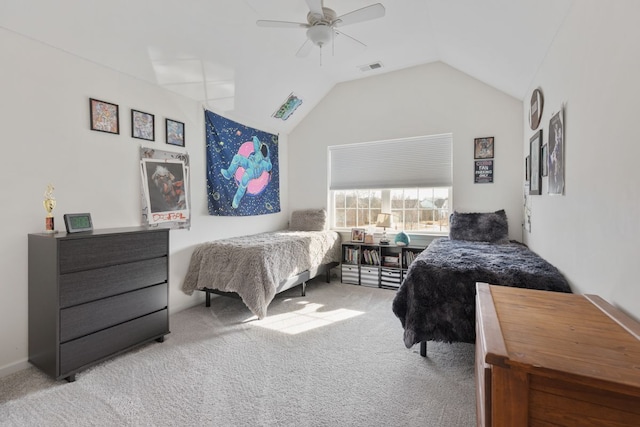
(175, 132)
(104, 116)
(527, 169)
(545, 160)
(535, 149)
(483, 148)
(483, 172)
(357, 234)
(143, 125)
(368, 238)
(556, 154)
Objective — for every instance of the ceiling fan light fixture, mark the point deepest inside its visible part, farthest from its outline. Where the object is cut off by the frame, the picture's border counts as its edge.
(320, 34)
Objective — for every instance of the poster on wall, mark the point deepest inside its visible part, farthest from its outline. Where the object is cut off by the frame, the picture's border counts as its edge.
(556, 154)
(165, 184)
(483, 172)
(242, 169)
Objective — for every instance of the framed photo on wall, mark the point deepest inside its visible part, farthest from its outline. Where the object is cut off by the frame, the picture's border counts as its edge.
(556, 154)
(545, 160)
(143, 125)
(104, 116)
(483, 148)
(175, 132)
(535, 150)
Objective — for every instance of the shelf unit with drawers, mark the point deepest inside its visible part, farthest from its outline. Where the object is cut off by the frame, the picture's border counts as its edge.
(95, 294)
(375, 265)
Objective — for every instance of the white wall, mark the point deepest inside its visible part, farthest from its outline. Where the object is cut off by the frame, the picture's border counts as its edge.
(45, 138)
(592, 232)
(424, 100)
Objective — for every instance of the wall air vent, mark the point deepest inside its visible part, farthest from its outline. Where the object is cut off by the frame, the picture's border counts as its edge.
(369, 67)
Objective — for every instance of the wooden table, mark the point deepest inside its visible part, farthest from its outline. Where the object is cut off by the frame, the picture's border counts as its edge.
(548, 358)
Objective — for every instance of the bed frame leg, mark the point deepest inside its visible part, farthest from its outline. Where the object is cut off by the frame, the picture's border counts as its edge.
(304, 289)
(423, 348)
(208, 301)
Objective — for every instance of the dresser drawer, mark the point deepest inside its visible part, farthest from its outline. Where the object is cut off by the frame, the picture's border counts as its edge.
(91, 317)
(84, 286)
(86, 350)
(101, 251)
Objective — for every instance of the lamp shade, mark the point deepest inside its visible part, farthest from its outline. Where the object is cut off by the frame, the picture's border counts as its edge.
(384, 220)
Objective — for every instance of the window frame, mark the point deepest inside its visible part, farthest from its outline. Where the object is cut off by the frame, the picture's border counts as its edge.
(386, 207)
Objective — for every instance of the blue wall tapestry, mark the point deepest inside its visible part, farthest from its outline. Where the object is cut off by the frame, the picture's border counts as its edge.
(243, 176)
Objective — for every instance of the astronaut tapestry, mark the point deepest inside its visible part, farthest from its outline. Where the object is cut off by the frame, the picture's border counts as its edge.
(243, 176)
(164, 188)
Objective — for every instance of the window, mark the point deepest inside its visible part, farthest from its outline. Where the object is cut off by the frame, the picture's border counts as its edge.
(417, 210)
(410, 178)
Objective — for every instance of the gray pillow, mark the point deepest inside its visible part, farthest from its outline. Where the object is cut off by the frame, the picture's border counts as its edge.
(489, 227)
(308, 220)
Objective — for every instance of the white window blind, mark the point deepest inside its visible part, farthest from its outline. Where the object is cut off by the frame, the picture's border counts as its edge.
(423, 161)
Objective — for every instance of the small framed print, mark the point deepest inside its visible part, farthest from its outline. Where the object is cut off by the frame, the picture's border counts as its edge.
(104, 116)
(535, 180)
(357, 235)
(175, 132)
(483, 148)
(545, 160)
(143, 125)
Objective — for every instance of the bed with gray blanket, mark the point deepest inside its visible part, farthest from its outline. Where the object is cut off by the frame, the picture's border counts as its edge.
(256, 267)
(436, 300)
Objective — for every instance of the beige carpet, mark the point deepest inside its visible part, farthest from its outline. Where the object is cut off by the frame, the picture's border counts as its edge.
(333, 358)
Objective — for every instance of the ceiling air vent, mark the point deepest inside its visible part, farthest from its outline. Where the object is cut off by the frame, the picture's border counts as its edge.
(369, 67)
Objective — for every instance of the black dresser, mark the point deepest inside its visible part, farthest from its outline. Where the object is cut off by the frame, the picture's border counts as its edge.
(95, 294)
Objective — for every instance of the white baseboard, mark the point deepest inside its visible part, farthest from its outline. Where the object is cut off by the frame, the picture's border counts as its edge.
(14, 367)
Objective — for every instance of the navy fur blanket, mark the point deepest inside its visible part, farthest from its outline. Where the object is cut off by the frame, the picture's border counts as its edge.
(436, 301)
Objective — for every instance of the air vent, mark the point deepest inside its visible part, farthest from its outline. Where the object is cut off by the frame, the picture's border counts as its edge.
(369, 67)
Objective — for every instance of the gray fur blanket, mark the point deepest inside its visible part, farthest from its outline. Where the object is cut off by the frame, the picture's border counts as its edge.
(436, 300)
(253, 266)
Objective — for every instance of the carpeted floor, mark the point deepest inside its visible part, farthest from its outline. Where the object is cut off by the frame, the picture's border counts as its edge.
(333, 358)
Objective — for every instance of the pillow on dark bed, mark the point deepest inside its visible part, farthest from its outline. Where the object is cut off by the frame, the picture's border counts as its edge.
(308, 220)
(489, 227)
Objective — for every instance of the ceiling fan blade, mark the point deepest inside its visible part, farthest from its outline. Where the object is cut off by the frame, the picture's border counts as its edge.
(365, 14)
(281, 24)
(305, 49)
(340, 33)
(315, 6)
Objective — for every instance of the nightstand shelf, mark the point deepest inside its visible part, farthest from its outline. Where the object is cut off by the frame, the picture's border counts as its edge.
(375, 265)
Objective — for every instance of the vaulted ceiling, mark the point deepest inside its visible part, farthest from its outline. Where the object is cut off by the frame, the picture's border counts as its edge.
(212, 50)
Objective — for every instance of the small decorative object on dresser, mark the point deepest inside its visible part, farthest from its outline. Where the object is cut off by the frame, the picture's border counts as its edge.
(49, 204)
(78, 222)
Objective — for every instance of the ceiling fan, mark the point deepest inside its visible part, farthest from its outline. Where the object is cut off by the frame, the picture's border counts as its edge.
(323, 23)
